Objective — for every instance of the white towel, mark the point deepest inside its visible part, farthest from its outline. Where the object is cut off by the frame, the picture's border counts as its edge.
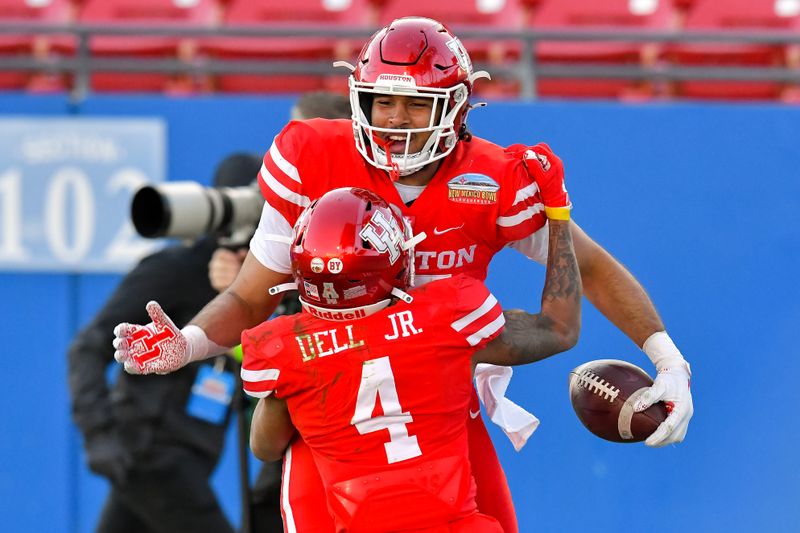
(518, 424)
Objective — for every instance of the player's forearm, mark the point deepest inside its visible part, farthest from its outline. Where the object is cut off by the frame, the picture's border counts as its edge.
(246, 303)
(614, 291)
(526, 338)
(562, 292)
(225, 317)
(531, 337)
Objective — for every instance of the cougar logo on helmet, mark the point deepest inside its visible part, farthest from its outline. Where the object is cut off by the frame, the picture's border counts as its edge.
(385, 235)
(461, 54)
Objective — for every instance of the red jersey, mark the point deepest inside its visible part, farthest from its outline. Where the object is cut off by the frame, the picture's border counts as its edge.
(480, 199)
(383, 400)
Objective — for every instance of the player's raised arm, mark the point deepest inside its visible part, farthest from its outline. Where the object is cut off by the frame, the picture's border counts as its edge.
(160, 347)
(244, 304)
(530, 337)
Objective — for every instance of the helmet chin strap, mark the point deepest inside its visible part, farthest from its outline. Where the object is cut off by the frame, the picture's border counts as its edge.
(403, 295)
(415, 240)
(283, 287)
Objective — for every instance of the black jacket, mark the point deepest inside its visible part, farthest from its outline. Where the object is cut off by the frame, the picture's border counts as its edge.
(145, 410)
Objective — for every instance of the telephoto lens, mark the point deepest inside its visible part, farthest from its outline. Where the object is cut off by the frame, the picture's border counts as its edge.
(189, 210)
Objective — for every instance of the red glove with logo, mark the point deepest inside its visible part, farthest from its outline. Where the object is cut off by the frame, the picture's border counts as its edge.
(548, 171)
(159, 347)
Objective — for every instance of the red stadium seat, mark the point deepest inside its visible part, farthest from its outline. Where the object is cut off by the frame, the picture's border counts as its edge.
(599, 15)
(494, 14)
(474, 14)
(684, 5)
(736, 15)
(200, 13)
(33, 46)
(274, 14)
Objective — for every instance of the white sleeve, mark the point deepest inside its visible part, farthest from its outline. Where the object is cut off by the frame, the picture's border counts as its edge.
(534, 246)
(270, 243)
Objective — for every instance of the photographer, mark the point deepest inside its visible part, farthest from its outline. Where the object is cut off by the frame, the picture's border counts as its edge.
(157, 439)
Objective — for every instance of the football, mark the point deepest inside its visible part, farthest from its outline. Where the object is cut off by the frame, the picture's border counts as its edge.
(603, 393)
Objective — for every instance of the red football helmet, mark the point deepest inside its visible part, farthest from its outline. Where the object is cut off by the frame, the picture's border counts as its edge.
(351, 251)
(418, 57)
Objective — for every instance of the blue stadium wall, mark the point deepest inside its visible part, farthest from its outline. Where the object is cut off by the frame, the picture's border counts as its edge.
(699, 201)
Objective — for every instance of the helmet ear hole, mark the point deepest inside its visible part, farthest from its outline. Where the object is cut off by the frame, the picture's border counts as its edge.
(463, 133)
(299, 238)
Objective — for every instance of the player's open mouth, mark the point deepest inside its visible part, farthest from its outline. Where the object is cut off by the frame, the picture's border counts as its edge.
(396, 144)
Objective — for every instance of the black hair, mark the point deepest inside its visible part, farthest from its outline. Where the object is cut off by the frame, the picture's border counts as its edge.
(463, 133)
(237, 170)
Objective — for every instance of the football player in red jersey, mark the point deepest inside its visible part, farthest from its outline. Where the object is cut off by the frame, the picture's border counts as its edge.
(378, 381)
(410, 94)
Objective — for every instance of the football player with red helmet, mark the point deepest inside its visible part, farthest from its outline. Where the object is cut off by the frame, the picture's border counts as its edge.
(377, 380)
(408, 141)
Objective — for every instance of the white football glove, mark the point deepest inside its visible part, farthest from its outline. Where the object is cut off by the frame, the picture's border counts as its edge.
(157, 348)
(672, 386)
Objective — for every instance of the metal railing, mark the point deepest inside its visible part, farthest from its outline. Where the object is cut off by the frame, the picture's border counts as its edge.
(525, 69)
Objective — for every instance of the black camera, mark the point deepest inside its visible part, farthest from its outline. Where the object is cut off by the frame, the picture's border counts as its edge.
(189, 210)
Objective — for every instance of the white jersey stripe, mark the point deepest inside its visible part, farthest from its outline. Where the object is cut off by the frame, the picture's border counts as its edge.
(520, 217)
(257, 394)
(288, 516)
(278, 188)
(487, 331)
(274, 237)
(422, 279)
(465, 321)
(526, 192)
(260, 375)
(287, 168)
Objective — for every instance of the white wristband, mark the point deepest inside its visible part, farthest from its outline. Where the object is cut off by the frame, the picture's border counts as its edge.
(199, 346)
(663, 352)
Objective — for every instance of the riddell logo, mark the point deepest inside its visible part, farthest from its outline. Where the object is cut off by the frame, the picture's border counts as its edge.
(395, 79)
(337, 315)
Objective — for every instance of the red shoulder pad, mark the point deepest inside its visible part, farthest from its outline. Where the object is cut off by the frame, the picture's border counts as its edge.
(262, 348)
(475, 316)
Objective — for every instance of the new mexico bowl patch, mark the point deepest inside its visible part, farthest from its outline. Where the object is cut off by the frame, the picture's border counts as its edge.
(472, 189)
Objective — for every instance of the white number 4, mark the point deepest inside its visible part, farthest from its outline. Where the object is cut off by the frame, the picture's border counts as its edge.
(377, 379)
